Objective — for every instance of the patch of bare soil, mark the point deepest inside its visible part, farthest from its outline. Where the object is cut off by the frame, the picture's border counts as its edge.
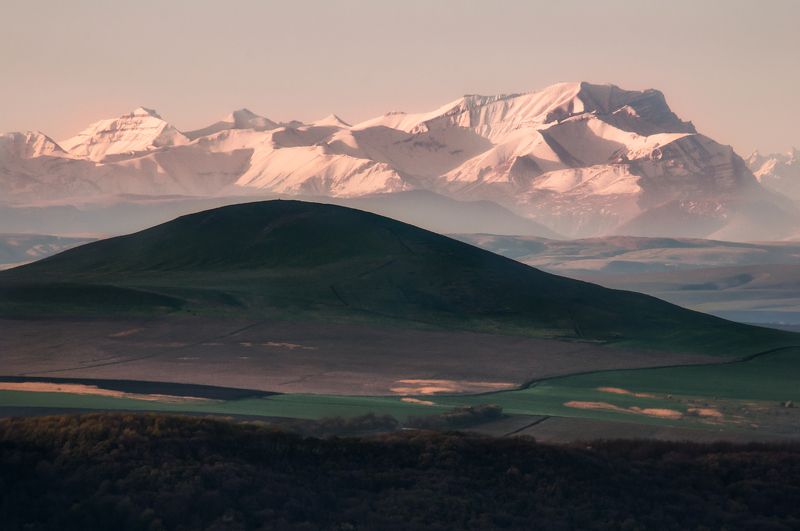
(417, 401)
(432, 387)
(620, 391)
(290, 346)
(82, 389)
(126, 333)
(705, 412)
(605, 406)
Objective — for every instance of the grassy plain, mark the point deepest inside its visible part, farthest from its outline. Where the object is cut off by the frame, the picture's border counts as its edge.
(748, 396)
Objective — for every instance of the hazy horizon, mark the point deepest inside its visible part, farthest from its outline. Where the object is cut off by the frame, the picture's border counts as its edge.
(727, 66)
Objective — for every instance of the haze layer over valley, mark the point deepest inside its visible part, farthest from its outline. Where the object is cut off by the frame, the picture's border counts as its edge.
(747, 282)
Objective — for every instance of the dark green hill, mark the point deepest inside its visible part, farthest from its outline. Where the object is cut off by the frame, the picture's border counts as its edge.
(291, 259)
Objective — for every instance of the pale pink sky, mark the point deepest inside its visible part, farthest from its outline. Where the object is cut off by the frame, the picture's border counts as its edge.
(731, 66)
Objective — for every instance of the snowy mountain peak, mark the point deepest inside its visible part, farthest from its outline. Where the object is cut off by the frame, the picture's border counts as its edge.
(778, 171)
(139, 131)
(247, 119)
(495, 117)
(144, 111)
(242, 114)
(583, 159)
(331, 121)
(30, 144)
(641, 111)
(239, 119)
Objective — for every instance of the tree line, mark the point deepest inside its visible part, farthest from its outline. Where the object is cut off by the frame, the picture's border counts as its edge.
(155, 472)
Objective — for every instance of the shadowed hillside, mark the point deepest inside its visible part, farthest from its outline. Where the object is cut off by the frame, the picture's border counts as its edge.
(307, 260)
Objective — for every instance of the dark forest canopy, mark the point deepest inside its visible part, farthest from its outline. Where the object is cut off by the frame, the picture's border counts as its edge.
(116, 471)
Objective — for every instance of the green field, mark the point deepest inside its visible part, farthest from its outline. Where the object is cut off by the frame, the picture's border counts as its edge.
(740, 389)
(741, 392)
(773, 376)
(289, 406)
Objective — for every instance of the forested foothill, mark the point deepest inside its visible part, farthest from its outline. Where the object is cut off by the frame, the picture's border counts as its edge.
(150, 472)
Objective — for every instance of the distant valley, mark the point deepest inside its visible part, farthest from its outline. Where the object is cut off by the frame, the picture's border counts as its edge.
(18, 249)
(746, 282)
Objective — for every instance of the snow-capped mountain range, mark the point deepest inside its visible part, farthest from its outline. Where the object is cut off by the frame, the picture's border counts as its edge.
(582, 159)
(778, 171)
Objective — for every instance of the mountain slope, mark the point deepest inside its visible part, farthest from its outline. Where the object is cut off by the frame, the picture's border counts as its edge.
(241, 119)
(123, 214)
(590, 160)
(778, 171)
(141, 130)
(34, 168)
(29, 145)
(582, 159)
(312, 261)
(441, 214)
